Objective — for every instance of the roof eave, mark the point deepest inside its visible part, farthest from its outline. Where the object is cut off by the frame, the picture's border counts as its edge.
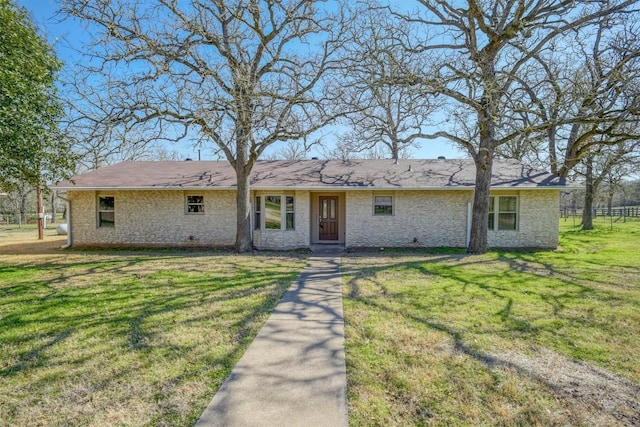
(316, 188)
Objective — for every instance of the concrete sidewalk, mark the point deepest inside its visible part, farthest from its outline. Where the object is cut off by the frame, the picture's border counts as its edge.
(293, 374)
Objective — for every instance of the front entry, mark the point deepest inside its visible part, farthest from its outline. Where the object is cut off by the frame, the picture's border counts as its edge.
(328, 229)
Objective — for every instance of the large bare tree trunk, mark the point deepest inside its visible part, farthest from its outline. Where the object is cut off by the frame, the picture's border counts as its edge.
(54, 212)
(483, 157)
(39, 209)
(478, 242)
(587, 212)
(243, 212)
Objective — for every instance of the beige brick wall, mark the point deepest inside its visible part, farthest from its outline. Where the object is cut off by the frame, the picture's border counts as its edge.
(538, 221)
(439, 218)
(155, 218)
(434, 218)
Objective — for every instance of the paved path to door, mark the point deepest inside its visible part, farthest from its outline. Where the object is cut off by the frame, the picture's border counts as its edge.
(293, 374)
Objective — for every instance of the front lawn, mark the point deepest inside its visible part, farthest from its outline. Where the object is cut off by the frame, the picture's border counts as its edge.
(451, 339)
(127, 338)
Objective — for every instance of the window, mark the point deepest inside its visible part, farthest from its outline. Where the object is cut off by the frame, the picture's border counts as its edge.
(106, 211)
(195, 204)
(291, 212)
(279, 212)
(492, 216)
(507, 209)
(272, 213)
(257, 210)
(383, 205)
(507, 215)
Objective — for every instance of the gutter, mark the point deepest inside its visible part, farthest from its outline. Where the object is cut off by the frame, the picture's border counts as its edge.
(327, 188)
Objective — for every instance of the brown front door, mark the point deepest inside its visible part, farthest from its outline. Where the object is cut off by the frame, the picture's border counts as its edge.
(328, 217)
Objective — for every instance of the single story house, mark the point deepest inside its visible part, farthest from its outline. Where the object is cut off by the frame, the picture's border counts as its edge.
(299, 204)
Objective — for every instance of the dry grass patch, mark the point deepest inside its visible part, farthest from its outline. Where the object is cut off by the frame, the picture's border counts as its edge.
(125, 337)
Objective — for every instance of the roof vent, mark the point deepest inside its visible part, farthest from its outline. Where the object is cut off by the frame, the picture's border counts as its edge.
(442, 158)
(188, 159)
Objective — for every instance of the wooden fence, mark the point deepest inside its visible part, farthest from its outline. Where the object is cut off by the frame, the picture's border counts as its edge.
(629, 212)
(618, 212)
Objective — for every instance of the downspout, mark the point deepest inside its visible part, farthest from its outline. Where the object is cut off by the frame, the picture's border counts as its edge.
(69, 228)
(469, 216)
(252, 214)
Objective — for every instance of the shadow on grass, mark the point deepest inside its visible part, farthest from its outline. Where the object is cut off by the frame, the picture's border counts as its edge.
(122, 313)
(515, 297)
(508, 294)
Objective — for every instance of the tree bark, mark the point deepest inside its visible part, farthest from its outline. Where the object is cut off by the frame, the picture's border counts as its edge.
(483, 157)
(22, 207)
(395, 151)
(40, 214)
(243, 213)
(478, 241)
(53, 207)
(587, 212)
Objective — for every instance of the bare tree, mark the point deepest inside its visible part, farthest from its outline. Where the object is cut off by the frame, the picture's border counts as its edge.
(19, 199)
(615, 182)
(605, 164)
(292, 150)
(589, 93)
(379, 111)
(97, 138)
(586, 91)
(343, 150)
(241, 74)
(479, 50)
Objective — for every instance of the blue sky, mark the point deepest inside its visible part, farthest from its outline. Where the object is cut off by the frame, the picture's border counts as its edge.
(66, 36)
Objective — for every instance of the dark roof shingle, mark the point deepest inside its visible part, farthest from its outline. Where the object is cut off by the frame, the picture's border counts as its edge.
(311, 174)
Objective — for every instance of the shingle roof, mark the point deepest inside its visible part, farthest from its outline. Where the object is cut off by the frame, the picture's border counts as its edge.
(311, 174)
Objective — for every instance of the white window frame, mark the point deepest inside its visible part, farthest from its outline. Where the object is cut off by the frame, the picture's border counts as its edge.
(287, 212)
(257, 212)
(494, 208)
(261, 210)
(392, 204)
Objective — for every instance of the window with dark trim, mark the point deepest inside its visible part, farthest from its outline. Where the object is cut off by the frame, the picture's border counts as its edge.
(195, 204)
(383, 205)
(106, 211)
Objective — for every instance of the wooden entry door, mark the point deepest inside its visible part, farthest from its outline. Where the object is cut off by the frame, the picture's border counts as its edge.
(328, 206)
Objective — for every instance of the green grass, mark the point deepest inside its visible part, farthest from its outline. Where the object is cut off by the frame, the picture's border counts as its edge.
(127, 338)
(421, 330)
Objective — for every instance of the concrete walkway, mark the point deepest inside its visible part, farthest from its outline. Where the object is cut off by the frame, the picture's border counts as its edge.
(293, 374)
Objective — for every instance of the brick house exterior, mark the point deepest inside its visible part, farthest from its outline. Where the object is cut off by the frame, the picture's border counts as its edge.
(299, 204)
